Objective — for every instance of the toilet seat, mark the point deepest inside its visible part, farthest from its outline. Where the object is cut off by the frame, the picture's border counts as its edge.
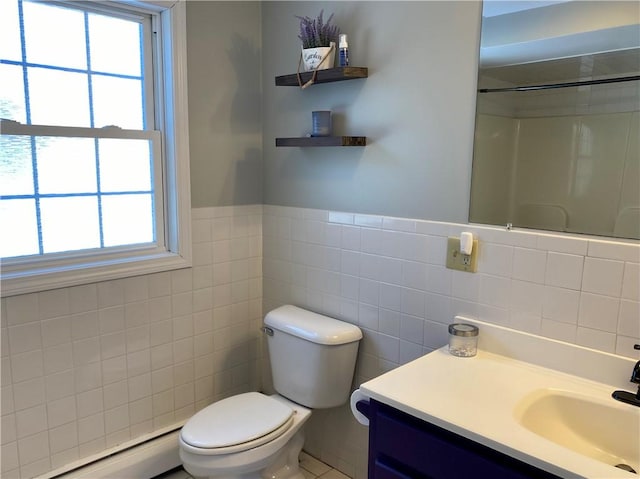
(236, 424)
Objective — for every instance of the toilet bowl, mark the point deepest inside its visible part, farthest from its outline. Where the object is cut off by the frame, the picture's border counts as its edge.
(255, 436)
(273, 453)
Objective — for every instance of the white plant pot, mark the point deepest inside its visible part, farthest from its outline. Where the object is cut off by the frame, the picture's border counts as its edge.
(312, 57)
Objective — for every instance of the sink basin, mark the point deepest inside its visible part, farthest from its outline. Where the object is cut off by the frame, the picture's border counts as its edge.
(603, 430)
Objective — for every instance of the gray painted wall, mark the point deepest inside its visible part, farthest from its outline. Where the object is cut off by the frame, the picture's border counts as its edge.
(225, 129)
(417, 107)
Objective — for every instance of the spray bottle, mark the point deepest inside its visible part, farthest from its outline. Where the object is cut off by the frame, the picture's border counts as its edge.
(343, 49)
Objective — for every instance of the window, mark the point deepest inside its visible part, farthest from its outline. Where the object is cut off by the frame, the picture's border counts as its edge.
(93, 164)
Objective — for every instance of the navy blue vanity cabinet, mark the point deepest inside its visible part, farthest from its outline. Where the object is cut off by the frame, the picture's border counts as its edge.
(402, 446)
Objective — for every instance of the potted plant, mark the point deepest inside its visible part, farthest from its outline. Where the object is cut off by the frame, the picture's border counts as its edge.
(318, 42)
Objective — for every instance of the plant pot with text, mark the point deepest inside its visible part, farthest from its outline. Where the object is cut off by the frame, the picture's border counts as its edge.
(318, 42)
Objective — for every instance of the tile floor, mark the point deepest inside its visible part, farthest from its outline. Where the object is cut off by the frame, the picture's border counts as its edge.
(311, 467)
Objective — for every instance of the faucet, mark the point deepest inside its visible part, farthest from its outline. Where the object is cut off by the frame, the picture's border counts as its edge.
(629, 397)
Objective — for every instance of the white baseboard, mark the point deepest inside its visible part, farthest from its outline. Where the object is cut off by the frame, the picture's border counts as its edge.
(139, 462)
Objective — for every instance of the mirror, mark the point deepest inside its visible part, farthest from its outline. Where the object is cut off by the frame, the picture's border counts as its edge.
(557, 142)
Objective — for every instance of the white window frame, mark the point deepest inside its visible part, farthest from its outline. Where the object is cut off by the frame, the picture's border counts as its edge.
(173, 250)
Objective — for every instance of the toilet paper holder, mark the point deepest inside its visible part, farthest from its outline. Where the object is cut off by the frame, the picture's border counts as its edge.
(360, 407)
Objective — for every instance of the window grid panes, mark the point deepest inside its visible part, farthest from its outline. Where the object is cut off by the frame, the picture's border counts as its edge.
(65, 193)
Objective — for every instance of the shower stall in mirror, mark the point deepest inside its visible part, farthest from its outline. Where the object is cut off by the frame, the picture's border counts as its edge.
(557, 142)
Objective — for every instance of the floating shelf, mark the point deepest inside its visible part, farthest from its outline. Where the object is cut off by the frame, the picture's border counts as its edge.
(324, 76)
(323, 141)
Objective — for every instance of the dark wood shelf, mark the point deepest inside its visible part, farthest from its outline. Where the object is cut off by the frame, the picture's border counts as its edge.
(324, 76)
(323, 141)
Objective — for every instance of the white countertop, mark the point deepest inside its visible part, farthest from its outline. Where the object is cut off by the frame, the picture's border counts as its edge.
(476, 397)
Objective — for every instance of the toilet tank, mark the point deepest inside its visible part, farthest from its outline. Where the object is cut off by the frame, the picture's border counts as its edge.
(313, 356)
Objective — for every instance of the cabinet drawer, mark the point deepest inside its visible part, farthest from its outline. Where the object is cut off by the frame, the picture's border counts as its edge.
(383, 471)
(421, 449)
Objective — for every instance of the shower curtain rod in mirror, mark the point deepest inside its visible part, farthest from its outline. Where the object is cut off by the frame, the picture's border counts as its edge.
(560, 85)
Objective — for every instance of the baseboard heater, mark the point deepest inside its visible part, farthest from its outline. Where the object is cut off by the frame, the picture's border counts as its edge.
(143, 458)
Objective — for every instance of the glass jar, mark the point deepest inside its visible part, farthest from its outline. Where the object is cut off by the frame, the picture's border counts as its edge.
(463, 340)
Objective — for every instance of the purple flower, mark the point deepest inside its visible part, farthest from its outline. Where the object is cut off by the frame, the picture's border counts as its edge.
(315, 33)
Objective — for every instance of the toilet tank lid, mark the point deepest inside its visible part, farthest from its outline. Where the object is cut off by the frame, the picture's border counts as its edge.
(310, 326)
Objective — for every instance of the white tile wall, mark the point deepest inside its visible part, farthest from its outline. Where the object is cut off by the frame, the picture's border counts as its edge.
(387, 275)
(89, 367)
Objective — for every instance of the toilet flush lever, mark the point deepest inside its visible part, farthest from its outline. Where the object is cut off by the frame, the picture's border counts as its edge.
(268, 331)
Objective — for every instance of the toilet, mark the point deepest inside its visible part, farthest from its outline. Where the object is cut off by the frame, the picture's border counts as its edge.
(252, 435)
